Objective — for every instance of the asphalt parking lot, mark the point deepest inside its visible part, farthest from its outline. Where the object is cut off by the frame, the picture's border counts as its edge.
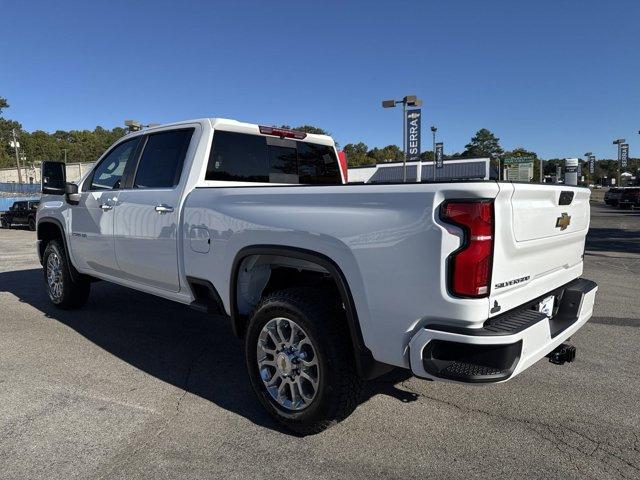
(138, 387)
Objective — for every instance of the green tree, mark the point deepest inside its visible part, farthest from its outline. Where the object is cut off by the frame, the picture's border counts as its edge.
(3, 104)
(483, 144)
(306, 129)
(357, 154)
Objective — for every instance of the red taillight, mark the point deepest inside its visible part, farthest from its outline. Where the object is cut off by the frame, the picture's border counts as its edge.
(282, 132)
(342, 158)
(470, 265)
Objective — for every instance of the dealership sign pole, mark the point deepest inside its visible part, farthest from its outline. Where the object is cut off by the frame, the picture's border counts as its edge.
(619, 142)
(439, 156)
(624, 155)
(412, 140)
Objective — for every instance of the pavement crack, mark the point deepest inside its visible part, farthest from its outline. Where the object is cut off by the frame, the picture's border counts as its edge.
(187, 380)
(608, 454)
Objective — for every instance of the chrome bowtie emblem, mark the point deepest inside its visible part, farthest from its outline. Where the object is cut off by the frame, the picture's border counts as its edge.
(563, 221)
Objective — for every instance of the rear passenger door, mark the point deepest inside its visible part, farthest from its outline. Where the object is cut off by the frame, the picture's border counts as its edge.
(147, 213)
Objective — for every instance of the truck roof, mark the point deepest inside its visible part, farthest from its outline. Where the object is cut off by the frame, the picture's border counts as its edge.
(242, 127)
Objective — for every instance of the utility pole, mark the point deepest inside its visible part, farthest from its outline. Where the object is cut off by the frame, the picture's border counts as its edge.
(15, 148)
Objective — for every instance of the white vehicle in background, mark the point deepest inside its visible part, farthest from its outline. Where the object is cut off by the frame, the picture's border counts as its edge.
(328, 283)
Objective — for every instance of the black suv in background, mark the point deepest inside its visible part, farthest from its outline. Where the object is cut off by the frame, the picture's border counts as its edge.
(21, 213)
(612, 196)
(630, 198)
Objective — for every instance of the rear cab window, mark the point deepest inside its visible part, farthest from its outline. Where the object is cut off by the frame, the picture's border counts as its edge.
(245, 157)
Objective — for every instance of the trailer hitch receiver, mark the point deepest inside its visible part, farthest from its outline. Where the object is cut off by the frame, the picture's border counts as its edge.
(564, 353)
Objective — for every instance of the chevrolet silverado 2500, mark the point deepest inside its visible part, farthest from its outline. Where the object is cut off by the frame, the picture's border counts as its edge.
(329, 284)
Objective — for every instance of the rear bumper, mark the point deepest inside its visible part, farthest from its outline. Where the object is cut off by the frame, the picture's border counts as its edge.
(506, 345)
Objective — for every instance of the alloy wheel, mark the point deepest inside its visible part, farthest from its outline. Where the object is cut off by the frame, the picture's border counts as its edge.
(288, 364)
(54, 276)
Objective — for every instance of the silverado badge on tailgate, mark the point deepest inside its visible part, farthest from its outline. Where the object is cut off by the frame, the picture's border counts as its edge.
(563, 221)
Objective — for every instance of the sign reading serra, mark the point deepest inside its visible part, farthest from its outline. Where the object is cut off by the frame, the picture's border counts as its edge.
(413, 134)
(439, 154)
(624, 155)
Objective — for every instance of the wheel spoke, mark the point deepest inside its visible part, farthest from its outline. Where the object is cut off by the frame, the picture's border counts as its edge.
(266, 362)
(305, 397)
(309, 363)
(294, 332)
(265, 347)
(309, 378)
(295, 395)
(283, 337)
(275, 341)
(281, 390)
(274, 379)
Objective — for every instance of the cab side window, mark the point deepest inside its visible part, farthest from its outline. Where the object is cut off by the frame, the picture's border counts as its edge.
(162, 159)
(108, 173)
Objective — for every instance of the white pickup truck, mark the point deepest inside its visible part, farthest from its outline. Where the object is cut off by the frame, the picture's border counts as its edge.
(329, 284)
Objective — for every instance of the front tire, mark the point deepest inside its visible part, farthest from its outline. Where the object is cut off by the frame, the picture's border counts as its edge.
(64, 292)
(32, 224)
(300, 361)
(4, 224)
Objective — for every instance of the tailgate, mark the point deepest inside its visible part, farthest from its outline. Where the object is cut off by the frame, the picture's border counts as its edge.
(541, 211)
(540, 232)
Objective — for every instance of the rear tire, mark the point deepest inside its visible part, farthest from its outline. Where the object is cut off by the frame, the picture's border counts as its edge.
(314, 365)
(4, 224)
(64, 292)
(32, 224)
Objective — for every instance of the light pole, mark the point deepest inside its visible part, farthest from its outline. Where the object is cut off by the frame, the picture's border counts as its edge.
(588, 155)
(434, 129)
(619, 142)
(408, 101)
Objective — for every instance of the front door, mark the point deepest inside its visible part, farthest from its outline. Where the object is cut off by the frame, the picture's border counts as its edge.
(21, 212)
(91, 239)
(147, 214)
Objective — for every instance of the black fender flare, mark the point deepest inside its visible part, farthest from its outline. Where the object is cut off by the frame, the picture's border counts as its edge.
(75, 275)
(367, 366)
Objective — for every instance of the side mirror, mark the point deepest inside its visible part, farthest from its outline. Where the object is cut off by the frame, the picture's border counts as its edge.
(53, 178)
(71, 193)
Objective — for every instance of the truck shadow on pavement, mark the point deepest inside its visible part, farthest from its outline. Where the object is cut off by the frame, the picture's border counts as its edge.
(194, 351)
(613, 240)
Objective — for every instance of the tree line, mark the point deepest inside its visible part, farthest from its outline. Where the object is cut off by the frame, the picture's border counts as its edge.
(88, 145)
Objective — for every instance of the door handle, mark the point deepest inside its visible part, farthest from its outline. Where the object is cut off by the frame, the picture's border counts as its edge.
(162, 208)
(106, 206)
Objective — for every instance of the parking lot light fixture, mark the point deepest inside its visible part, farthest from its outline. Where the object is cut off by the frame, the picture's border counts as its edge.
(407, 101)
(132, 125)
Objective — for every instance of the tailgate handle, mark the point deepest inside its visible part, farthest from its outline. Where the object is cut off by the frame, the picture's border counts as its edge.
(566, 198)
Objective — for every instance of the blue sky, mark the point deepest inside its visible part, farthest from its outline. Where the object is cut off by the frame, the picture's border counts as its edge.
(559, 77)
